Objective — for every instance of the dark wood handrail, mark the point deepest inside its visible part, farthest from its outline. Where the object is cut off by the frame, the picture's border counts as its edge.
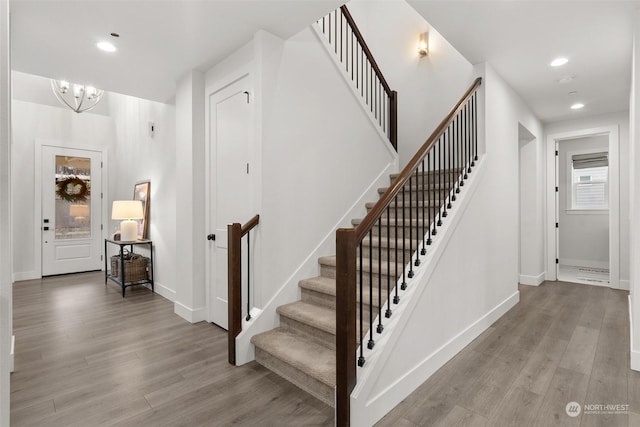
(460, 157)
(235, 232)
(365, 48)
(250, 225)
(358, 61)
(386, 199)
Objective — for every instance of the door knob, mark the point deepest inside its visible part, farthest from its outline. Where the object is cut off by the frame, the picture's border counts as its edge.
(211, 237)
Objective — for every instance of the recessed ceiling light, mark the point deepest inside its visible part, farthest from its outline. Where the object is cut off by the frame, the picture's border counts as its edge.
(577, 106)
(106, 46)
(559, 62)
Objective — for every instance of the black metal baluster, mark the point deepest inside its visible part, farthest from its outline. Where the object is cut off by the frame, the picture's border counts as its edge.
(475, 125)
(438, 201)
(380, 305)
(432, 192)
(341, 39)
(417, 226)
(248, 276)
(396, 298)
(388, 312)
(404, 224)
(462, 166)
(371, 342)
(466, 144)
(429, 209)
(335, 30)
(469, 142)
(404, 249)
(454, 171)
(323, 26)
(361, 304)
(425, 195)
(448, 163)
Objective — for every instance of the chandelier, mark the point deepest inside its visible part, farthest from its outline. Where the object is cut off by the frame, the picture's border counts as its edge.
(77, 97)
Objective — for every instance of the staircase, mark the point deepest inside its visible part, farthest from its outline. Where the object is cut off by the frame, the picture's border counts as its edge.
(303, 349)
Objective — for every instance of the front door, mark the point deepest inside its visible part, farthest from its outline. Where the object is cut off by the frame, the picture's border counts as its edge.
(230, 120)
(71, 210)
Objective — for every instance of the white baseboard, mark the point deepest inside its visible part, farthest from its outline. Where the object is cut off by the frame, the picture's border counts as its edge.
(583, 263)
(190, 314)
(26, 275)
(163, 291)
(634, 356)
(531, 280)
(377, 407)
(625, 284)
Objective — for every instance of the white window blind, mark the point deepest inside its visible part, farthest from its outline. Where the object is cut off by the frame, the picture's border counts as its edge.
(590, 187)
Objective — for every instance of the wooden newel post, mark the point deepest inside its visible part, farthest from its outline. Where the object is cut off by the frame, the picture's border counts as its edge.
(345, 323)
(234, 283)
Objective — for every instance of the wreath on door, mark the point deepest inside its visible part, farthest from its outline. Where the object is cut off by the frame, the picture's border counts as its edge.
(73, 189)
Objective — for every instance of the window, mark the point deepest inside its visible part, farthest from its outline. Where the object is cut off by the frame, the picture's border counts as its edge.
(590, 181)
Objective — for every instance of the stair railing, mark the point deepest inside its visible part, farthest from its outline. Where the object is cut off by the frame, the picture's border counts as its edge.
(352, 51)
(409, 213)
(235, 233)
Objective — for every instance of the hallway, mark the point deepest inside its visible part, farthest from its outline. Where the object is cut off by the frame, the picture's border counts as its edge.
(564, 342)
(86, 356)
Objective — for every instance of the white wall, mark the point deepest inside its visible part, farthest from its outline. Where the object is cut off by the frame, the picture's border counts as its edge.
(428, 87)
(634, 199)
(136, 156)
(531, 207)
(6, 303)
(190, 201)
(456, 304)
(131, 156)
(584, 236)
(621, 122)
(57, 125)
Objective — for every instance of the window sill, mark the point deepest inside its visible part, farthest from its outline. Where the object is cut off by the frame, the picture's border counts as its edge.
(587, 211)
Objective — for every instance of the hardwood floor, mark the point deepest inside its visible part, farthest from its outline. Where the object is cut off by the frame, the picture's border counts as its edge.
(87, 357)
(562, 343)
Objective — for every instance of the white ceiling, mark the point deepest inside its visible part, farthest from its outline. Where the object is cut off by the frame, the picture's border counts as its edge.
(520, 38)
(161, 40)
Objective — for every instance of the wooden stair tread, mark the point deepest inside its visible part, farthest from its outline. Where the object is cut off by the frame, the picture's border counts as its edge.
(303, 354)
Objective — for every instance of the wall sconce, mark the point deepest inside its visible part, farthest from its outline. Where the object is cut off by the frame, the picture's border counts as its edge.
(423, 44)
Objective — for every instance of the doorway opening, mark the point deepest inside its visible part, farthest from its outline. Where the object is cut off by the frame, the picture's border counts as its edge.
(583, 212)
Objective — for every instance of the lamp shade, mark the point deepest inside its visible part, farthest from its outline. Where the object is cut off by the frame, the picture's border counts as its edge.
(127, 209)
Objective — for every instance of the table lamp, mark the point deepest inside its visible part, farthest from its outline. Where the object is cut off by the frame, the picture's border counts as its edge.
(128, 211)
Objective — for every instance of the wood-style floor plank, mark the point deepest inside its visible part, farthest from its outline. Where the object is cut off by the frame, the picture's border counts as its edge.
(562, 343)
(85, 356)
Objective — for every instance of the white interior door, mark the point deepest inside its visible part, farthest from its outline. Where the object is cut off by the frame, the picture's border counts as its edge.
(71, 210)
(230, 118)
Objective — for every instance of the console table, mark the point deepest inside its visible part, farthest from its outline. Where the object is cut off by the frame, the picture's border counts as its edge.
(123, 282)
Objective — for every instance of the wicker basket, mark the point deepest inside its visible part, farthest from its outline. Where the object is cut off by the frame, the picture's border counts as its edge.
(136, 268)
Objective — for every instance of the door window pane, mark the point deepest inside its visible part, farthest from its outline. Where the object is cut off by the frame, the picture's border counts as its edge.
(73, 198)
